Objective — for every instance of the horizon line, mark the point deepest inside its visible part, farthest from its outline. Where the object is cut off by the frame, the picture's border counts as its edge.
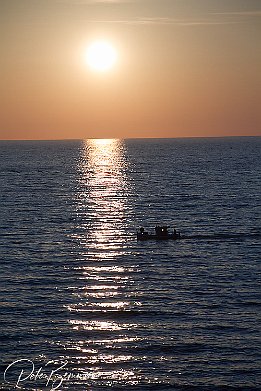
(128, 138)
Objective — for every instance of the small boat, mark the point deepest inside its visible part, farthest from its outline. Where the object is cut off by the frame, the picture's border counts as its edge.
(161, 233)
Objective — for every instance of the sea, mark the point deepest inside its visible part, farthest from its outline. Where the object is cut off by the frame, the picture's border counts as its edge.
(85, 306)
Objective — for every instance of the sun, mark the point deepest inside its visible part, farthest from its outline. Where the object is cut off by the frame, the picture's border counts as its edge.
(101, 56)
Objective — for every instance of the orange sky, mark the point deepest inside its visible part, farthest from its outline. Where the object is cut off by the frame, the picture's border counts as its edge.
(185, 68)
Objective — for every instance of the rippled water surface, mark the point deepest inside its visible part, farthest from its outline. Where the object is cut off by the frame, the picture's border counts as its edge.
(84, 306)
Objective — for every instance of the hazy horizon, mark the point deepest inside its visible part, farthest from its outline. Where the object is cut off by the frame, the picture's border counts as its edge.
(130, 138)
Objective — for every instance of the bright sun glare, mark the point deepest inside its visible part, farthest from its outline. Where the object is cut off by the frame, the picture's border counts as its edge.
(101, 56)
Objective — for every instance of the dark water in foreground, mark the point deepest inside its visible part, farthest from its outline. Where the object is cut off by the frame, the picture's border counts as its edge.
(77, 290)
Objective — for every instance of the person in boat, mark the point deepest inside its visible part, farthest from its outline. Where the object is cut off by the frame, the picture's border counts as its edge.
(143, 233)
(165, 231)
(176, 234)
(161, 231)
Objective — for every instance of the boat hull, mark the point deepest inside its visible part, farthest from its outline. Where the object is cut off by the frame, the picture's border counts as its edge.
(146, 236)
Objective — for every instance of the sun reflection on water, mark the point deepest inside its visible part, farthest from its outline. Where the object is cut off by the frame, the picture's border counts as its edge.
(105, 185)
(100, 295)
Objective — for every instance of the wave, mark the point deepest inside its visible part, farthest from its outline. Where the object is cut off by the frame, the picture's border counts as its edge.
(223, 236)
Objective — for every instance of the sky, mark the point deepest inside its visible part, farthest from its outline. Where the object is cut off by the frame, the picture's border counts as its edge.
(185, 68)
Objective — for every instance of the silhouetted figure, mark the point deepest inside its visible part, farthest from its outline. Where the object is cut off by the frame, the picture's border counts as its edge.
(161, 232)
(142, 234)
(165, 231)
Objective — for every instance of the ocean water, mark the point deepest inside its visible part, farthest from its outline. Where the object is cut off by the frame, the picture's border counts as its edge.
(84, 306)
